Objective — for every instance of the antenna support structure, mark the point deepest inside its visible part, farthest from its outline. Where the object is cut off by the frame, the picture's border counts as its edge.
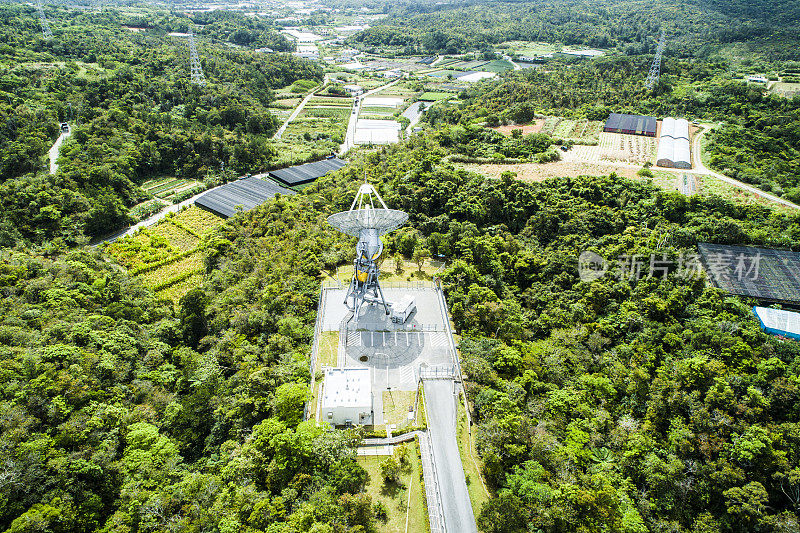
(43, 21)
(655, 68)
(368, 219)
(194, 61)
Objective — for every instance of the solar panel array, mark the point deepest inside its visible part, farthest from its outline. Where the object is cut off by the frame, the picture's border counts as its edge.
(244, 194)
(763, 273)
(308, 172)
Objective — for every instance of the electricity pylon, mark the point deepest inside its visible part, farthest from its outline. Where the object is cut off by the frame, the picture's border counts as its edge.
(655, 68)
(194, 62)
(45, 26)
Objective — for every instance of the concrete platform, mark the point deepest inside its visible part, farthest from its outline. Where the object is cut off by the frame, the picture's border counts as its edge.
(429, 314)
(395, 353)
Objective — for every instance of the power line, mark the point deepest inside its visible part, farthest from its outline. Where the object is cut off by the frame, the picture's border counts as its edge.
(655, 68)
(45, 26)
(194, 62)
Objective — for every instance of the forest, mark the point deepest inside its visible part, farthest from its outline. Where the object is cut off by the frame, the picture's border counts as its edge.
(618, 404)
(134, 112)
(457, 27)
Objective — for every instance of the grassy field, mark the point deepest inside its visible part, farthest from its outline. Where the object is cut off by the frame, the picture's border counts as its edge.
(408, 271)
(528, 48)
(404, 501)
(327, 350)
(478, 494)
(396, 406)
(497, 65)
(167, 257)
(431, 96)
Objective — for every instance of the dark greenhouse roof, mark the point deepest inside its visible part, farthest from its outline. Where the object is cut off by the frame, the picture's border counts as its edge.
(309, 172)
(634, 124)
(763, 273)
(246, 193)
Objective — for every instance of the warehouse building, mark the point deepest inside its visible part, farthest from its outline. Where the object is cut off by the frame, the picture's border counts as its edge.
(300, 174)
(779, 322)
(347, 397)
(240, 195)
(631, 124)
(674, 150)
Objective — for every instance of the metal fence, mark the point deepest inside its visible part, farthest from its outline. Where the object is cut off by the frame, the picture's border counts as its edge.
(414, 284)
(438, 372)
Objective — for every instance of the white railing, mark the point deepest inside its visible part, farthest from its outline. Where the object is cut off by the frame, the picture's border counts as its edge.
(314, 352)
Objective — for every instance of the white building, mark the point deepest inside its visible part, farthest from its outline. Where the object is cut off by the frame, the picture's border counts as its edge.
(674, 149)
(403, 308)
(355, 90)
(346, 397)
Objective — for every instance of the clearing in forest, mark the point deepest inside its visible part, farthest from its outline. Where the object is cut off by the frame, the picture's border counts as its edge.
(168, 257)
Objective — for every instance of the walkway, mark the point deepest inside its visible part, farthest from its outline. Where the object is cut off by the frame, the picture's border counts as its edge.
(56, 148)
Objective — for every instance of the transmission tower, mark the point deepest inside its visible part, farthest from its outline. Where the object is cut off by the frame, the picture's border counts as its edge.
(655, 68)
(194, 62)
(45, 26)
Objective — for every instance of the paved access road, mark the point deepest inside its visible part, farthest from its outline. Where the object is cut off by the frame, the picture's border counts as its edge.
(56, 148)
(442, 412)
(349, 138)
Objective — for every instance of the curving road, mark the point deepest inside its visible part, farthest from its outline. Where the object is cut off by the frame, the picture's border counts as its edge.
(700, 168)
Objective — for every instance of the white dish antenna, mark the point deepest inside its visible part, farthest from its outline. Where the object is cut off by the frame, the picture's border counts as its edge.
(364, 215)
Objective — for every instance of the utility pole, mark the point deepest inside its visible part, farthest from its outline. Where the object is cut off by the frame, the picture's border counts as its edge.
(45, 26)
(194, 62)
(655, 68)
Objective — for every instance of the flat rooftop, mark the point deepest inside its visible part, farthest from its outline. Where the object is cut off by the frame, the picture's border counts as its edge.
(347, 387)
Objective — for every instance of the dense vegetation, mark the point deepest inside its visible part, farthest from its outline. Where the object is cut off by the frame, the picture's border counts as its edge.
(457, 27)
(613, 405)
(135, 115)
(122, 414)
(622, 404)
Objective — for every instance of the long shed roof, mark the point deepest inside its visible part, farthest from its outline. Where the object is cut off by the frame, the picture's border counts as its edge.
(763, 273)
(246, 193)
(307, 172)
(631, 123)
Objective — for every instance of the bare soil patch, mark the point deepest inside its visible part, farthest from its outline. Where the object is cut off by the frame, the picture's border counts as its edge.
(540, 172)
(534, 127)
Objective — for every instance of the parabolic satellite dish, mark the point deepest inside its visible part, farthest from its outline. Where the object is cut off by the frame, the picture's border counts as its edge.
(368, 223)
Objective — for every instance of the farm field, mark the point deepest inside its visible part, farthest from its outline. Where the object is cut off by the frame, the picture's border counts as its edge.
(432, 96)
(497, 65)
(614, 148)
(577, 130)
(167, 257)
(528, 48)
(167, 187)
